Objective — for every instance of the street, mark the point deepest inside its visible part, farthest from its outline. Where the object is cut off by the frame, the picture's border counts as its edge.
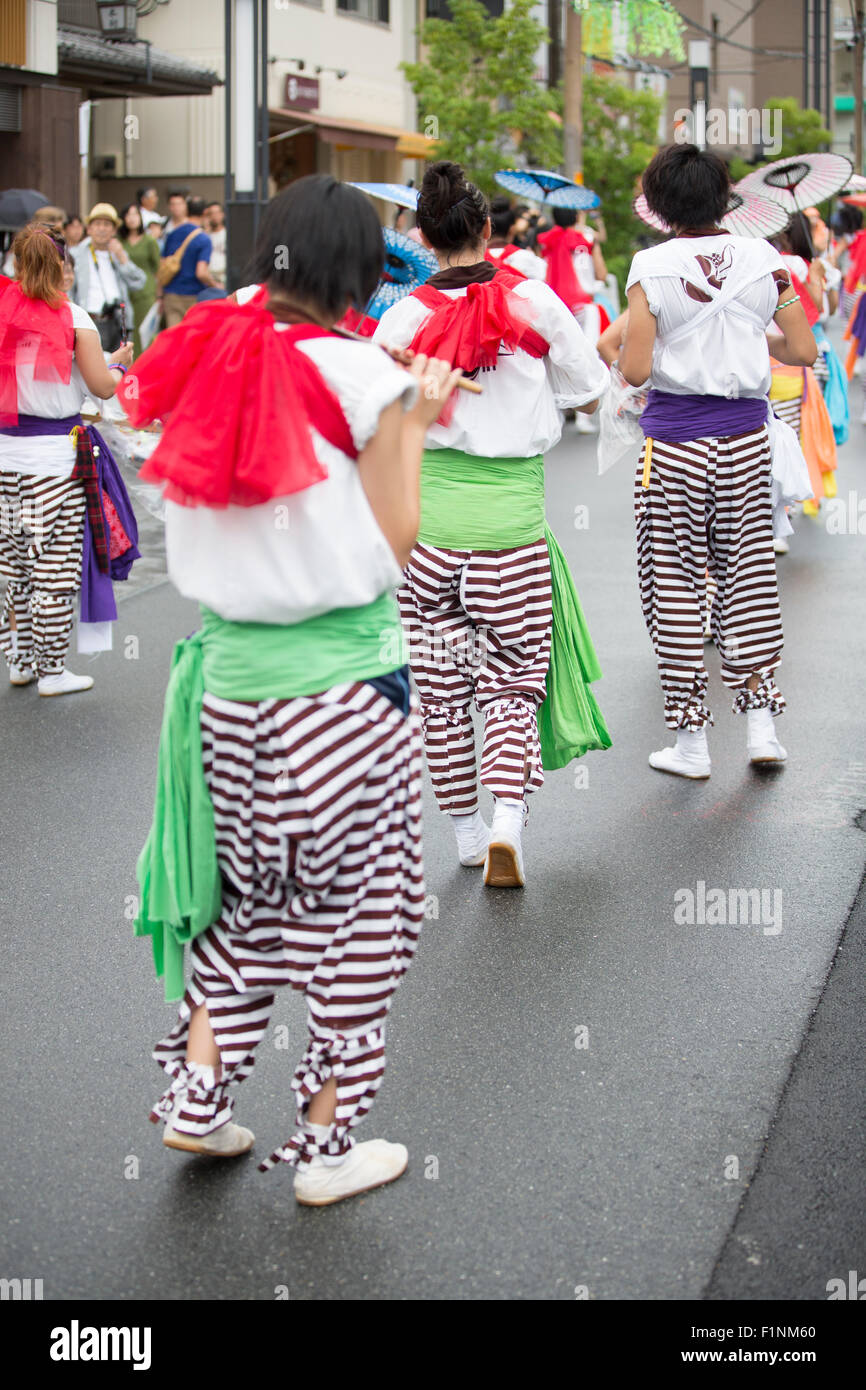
(585, 1079)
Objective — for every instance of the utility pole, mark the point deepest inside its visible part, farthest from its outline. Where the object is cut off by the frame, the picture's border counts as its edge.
(573, 125)
(858, 88)
(554, 50)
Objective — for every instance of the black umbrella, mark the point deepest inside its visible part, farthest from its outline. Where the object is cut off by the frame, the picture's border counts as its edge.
(17, 206)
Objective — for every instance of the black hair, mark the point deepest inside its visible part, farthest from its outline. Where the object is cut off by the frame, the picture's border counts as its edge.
(73, 217)
(177, 193)
(687, 187)
(846, 219)
(799, 237)
(123, 230)
(214, 204)
(502, 216)
(320, 240)
(451, 211)
(140, 192)
(195, 206)
(564, 217)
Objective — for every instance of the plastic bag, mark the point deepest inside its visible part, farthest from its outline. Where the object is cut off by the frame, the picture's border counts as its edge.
(620, 435)
(789, 473)
(149, 326)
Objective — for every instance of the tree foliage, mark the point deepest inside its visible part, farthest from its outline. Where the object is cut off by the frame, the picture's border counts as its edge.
(477, 93)
(620, 130)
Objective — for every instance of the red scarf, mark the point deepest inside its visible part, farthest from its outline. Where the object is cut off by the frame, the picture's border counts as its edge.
(812, 311)
(240, 399)
(470, 330)
(31, 332)
(558, 246)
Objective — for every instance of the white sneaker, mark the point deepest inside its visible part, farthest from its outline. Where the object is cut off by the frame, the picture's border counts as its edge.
(228, 1141)
(763, 745)
(21, 675)
(64, 683)
(586, 423)
(781, 546)
(368, 1165)
(503, 867)
(473, 837)
(690, 756)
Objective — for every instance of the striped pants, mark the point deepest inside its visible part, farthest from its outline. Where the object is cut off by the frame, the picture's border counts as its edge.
(478, 624)
(708, 508)
(317, 805)
(41, 536)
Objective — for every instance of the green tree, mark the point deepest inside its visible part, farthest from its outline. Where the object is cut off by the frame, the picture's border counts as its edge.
(477, 93)
(620, 137)
(802, 133)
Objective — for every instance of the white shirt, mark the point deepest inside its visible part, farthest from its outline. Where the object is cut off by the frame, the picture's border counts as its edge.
(51, 456)
(530, 265)
(728, 352)
(218, 255)
(322, 548)
(103, 287)
(518, 414)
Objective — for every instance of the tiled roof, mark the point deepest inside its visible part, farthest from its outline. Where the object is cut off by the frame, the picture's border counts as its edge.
(82, 48)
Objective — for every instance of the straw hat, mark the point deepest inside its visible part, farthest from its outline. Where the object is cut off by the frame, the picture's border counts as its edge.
(103, 210)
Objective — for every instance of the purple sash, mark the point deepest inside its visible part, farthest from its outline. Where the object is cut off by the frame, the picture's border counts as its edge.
(97, 595)
(676, 419)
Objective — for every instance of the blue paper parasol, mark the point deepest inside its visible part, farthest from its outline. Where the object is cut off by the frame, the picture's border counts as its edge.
(399, 193)
(408, 264)
(543, 186)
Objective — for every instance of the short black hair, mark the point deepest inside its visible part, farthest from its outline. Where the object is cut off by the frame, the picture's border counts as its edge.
(798, 237)
(502, 215)
(451, 211)
(564, 217)
(214, 204)
(195, 206)
(148, 188)
(177, 192)
(687, 187)
(321, 240)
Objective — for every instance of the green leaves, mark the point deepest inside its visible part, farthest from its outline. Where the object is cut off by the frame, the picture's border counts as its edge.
(478, 84)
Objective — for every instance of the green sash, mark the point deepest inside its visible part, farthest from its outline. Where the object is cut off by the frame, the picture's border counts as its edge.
(178, 872)
(474, 503)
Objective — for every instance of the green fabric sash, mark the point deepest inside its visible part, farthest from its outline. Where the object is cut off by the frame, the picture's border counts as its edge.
(474, 503)
(178, 872)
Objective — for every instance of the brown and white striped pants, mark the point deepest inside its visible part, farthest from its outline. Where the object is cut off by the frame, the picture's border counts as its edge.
(478, 624)
(41, 536)
(317, 804)
(708, 507)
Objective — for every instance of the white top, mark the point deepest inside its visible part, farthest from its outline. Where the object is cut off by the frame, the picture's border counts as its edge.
(726, 353)
(530, 265)
(218, 254)
(295, 557)
(51, 456)
(102, 285)
(518, 413)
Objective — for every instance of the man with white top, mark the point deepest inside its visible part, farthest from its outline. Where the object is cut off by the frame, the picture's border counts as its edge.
(104, 276)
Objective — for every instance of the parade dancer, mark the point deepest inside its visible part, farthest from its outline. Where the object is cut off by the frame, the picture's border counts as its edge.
(286, 835)
(699, 307)
(797, 393)
(56, 524)
(487, 587)
(576, 269)
(502, 251)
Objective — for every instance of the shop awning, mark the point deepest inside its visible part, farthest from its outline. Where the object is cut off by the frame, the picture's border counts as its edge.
(362, 135)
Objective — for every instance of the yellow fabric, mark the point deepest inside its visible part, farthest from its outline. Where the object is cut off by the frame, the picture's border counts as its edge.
(786, 388)
(647, 461)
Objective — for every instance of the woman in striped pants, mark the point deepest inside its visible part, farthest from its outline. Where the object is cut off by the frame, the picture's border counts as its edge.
(699, 309)
(286, 834)
(488, 603)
